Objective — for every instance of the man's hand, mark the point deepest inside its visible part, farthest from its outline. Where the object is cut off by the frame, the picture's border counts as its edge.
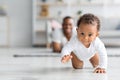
(99, 70)
(66, 58)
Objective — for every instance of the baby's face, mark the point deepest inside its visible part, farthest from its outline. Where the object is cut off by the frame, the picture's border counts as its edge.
(87, 33)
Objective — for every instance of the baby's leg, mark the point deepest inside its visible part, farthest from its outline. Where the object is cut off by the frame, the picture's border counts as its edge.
(95, 60)
(76, 63)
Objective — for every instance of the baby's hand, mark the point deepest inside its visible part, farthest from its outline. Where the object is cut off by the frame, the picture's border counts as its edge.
(66, 58)
(99, 70)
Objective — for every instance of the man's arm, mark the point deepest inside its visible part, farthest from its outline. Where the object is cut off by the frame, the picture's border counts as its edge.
(56, 47)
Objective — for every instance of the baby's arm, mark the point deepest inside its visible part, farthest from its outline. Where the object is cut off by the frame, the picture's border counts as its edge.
(66, 58)
(102, 58)
(66, 51)
(102, 61)
(100, 70)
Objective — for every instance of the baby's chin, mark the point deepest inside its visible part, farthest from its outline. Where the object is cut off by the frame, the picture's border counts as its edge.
(86, 43)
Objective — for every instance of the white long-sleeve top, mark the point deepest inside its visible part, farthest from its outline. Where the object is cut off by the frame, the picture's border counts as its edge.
(83, 53)
(59, 37)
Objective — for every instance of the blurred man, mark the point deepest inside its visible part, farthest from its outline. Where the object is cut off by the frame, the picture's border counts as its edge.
(62, 36)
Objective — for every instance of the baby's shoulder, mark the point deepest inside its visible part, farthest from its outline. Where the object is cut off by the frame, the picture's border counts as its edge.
(97, 42)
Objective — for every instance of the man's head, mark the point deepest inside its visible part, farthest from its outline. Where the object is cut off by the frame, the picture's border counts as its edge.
(67, 25)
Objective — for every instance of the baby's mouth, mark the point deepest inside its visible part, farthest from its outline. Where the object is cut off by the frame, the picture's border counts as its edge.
(85, 42)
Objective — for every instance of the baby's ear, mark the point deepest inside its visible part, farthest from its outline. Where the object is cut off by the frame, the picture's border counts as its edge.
(97, 34)
(76, 28)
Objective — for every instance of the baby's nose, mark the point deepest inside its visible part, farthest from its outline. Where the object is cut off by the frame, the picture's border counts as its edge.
(85, 37)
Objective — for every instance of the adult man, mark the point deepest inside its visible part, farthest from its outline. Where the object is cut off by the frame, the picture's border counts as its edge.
(62, 36)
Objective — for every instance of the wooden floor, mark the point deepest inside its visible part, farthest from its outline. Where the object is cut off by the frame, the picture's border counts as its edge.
(42, 64)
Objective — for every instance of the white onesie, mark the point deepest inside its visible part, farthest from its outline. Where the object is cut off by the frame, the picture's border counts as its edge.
(84, 53)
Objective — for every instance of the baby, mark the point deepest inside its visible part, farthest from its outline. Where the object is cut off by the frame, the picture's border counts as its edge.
(86, 45)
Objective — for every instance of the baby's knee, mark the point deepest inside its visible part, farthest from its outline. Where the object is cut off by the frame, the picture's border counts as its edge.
(78, 66)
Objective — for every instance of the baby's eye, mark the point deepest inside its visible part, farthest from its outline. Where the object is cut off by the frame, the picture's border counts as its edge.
(82, 33)
(90, 35)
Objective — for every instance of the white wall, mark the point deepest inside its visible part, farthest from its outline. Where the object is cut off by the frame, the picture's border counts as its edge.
(20, 14)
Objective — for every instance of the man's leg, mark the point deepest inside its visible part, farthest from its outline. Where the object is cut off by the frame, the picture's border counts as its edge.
(76, 63)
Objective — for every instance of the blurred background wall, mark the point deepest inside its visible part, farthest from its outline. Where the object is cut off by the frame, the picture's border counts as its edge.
(20, 21)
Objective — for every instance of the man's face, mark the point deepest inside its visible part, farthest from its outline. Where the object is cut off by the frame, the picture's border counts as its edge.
(67, 26)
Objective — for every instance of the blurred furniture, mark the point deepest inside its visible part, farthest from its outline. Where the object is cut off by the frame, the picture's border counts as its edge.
(41, 21)
(110, 31)
(111, 38)
(4, 31)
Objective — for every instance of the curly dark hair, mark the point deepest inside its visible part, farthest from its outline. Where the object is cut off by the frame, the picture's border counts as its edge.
(89, 19)
(67, 17)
